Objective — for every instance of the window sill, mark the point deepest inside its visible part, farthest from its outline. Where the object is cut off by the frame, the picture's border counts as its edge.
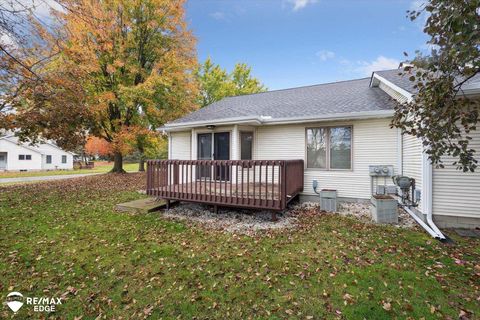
(328, 170)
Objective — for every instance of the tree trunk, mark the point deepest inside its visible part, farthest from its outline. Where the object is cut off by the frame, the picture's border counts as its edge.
(141, 150)
(141, 165)
(117, 163)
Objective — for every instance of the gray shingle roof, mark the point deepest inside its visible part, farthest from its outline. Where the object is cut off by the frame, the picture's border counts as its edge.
(312, 101)
(400, 79)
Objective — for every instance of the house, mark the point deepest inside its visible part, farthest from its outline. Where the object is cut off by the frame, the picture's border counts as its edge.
(338, 129)
(17, 156)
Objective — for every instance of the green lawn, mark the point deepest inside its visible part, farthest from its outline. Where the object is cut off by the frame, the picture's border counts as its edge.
(99, 168)
(63, 238)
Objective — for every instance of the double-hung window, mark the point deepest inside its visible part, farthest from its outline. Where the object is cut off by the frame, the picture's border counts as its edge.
(24, 157)
(329, 148)
(64, 159)
(49, 159)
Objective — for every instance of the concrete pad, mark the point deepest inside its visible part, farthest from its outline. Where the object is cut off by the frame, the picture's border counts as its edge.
(142, 205)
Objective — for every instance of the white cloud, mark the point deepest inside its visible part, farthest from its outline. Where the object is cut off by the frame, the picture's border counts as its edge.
(43, 8)
(419, 6)
(218, 15)
(324, 55)
(381, 63)
(300, 4)
(7, 41)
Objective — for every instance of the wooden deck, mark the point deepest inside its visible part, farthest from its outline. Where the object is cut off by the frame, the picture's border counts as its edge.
(261, 184)
(227, 189)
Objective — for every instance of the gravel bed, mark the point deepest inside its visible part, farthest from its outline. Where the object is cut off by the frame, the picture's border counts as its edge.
(233, 220)
(250, 222)
(361, 210)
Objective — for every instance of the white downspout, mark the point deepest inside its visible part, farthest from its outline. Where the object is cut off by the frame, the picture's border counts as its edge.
(169, 146)
(427, 172)
(427, 228)
(400, 151)
(434, 233)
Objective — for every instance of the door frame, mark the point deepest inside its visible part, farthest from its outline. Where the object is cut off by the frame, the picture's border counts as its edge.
(221, 173)
(212, 133)
(6, 160)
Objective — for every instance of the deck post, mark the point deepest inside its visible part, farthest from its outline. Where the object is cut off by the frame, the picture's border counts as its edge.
(274, 216)
(215, 209)
(167, 204)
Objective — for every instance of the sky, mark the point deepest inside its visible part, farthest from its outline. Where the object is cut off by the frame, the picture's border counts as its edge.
(291, 43)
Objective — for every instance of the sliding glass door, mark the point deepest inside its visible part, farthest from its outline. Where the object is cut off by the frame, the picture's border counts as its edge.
(204, 152)
(221, 151)
(214, 146)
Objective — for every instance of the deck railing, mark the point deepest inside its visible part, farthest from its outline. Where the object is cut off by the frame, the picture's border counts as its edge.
(263, 184)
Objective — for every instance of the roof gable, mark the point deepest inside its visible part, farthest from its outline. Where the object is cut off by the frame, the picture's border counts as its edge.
(400, 79)
(19, 145)
(36, 148)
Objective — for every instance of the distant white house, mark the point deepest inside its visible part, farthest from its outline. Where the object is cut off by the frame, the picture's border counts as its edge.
(18, 156)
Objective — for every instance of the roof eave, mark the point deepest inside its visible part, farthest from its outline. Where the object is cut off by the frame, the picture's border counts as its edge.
(276, 121)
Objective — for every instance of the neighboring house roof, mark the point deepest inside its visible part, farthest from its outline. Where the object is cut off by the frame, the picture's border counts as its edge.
(13, 139)
(6, 138)
(352, 97)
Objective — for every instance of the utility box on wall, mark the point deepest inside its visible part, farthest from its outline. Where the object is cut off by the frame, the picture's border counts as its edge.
(328, 200)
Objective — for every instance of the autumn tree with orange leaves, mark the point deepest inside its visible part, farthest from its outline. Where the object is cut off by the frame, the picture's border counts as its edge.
(125, 67)
(98, 147)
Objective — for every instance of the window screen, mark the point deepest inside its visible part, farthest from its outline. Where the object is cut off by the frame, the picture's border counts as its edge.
(246, 145)
(341, 148)
(332, 144)
(316, 148)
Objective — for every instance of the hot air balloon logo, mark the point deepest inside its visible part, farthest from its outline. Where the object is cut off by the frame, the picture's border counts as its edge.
(15, 301)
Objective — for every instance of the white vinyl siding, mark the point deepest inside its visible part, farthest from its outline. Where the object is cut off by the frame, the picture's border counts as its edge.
(13, 150)
(412, 161)
(57, 158)
(180, 145)
(456, 193)
(373, 142)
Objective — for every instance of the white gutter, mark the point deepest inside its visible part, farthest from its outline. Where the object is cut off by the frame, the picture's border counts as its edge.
(472, 91)
(267, 120)
(334, 117)
(218, 121)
